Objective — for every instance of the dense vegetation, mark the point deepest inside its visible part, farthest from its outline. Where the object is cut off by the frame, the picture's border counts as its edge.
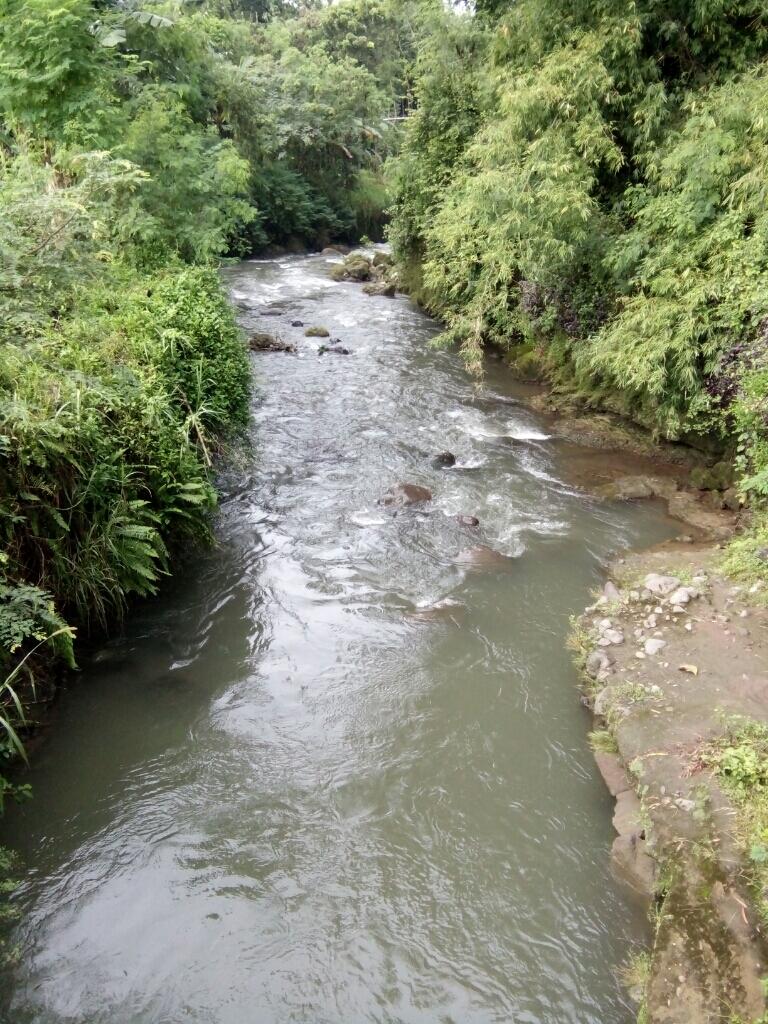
(584, 183)
(140, 143)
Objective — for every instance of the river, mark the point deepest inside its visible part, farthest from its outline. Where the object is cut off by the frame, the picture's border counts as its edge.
(338, 772)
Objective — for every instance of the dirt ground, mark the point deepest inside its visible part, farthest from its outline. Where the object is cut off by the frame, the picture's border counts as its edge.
(667, 666)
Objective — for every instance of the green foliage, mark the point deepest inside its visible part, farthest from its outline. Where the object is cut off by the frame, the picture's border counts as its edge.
(195, 194)
(108, 423)
(746, 557)
(49, 62)
(590, 181)
(138, 144)
(740, 762)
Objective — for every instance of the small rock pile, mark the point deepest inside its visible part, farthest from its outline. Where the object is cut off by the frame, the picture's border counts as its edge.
(661, 599)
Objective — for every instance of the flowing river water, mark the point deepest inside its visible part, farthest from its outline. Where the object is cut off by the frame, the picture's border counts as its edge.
(339, 771)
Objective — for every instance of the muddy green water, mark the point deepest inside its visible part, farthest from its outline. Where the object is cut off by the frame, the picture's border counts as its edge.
(289, 794)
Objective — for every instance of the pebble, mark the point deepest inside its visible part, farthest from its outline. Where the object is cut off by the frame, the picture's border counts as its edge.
(654, 646)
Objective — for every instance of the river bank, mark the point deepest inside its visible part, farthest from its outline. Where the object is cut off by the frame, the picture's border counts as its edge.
(675, 663)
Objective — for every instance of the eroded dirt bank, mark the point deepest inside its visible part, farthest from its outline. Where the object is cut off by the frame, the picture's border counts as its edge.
(673, 654)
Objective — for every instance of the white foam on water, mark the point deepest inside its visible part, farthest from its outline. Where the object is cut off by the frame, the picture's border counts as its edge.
(364, 518)
(441, 602)
(520, 433)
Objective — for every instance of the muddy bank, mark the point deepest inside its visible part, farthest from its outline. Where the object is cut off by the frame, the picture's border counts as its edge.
(671, 653)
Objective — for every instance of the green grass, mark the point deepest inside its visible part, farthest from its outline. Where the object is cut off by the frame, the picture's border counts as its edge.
(746, 559)
(739, 760)
(602, 741)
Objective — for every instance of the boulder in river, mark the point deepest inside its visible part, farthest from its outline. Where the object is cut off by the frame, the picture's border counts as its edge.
(407, 494)
(297, 323)
(385, 288)
(444, 460)
(317, 332)
(263, 342)
(382, 259)
(357, 267)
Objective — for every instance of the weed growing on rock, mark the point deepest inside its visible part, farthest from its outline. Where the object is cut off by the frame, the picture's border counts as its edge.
(603, 742)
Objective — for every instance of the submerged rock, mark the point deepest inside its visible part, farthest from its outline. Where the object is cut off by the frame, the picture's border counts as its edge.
(440, 611)
(334, 349)
(629, 488)
(472, 521)
(483, 557)
(407, 494)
